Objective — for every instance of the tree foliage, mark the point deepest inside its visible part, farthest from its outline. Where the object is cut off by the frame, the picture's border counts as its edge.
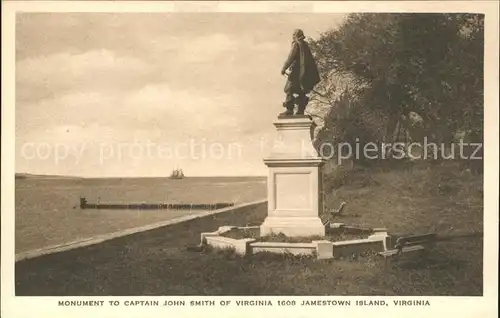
(377, 68)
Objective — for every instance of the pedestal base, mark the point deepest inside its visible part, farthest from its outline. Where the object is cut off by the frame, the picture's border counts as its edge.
(293, 226)
(294, 183)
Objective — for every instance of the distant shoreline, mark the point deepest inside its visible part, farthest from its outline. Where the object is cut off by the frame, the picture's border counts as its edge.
(42, 176)
(21, 176)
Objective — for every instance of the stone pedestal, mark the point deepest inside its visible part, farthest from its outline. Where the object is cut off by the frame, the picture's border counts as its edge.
(294, 183)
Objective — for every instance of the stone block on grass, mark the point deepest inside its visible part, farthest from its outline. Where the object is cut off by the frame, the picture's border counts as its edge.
(324, 249)
(347, 248)
(242, 246)
(221, 242)
(283, 248)
(204, 235)
(225, 229)
(382, 236)
(336, 225)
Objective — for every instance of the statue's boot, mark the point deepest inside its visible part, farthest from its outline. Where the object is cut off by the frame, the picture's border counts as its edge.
(300, 110)
(289, 108)
(288, 104)
(302, 103)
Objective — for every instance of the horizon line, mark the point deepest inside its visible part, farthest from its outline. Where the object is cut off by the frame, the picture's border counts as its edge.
(127, 177)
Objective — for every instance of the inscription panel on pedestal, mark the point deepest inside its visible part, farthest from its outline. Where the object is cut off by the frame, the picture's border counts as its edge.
(293, 191)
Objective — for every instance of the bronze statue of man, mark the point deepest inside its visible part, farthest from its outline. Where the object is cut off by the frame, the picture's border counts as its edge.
(303, 75)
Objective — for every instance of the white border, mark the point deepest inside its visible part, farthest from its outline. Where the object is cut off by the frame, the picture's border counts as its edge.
(455, 307)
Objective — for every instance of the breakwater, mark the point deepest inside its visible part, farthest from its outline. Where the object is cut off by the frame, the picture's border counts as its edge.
(153, 206)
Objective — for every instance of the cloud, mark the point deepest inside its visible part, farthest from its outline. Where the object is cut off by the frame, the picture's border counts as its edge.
(136, 33)
(192, 63)
(178, 112)
(213, 48)
(188, 109)
(201, 49)
(100, 98)
(132, 77)
(61, 72)
(73, 131)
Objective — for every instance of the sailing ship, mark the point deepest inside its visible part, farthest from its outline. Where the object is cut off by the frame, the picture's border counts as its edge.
(177, 174)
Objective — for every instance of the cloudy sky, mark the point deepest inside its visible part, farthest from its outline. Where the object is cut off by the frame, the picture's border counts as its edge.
(137, 94)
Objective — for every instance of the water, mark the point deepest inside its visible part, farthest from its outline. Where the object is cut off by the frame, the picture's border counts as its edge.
(48, 213)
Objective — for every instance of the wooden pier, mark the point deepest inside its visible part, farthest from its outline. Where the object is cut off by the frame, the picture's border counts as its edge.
(153, 206)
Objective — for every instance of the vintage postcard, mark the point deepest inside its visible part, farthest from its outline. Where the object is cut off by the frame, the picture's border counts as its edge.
(241, 159)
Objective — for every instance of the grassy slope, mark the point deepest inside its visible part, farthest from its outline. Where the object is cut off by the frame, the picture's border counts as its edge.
(410, 200)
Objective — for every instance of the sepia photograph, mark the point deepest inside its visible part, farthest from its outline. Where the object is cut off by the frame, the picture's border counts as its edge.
(222, 153)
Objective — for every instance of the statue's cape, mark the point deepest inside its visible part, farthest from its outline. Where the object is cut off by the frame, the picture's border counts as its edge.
(309, 75)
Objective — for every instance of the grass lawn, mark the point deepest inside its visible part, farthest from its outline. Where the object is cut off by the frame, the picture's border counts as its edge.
(413, 199)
